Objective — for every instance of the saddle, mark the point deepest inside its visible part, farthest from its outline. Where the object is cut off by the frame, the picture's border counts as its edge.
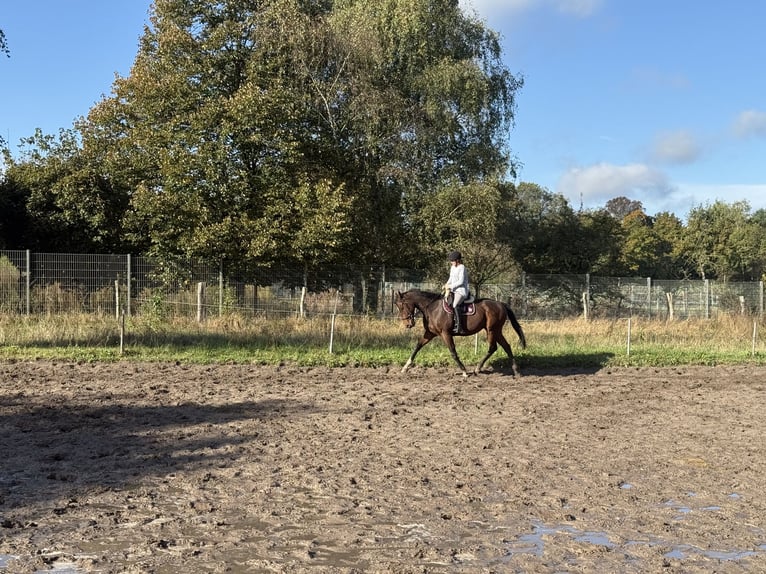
(467, 306)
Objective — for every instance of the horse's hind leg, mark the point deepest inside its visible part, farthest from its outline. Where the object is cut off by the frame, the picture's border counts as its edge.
(492, 348)
(507, 348)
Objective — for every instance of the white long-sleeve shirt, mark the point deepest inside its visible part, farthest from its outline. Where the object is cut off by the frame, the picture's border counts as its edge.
(458, 279)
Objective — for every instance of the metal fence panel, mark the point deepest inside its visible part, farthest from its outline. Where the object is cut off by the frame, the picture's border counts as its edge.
(13, 279)
(110, 284)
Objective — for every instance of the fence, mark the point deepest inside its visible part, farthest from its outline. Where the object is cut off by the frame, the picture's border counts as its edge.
(46, 283)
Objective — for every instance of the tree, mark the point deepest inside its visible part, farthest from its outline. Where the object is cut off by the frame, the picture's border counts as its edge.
(669, 261)
(14, 225)
(68, 203)
(539, 228)
(4, 44)
(621, 207)
(598, 244)
(722, 242)
(641, 245)
(235, 113)
(652, 245)
(469, 218)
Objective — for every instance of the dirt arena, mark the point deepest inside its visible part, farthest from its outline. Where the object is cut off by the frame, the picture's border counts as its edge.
(168, 468)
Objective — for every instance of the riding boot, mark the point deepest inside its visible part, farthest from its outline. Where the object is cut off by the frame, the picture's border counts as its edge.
(458, 327)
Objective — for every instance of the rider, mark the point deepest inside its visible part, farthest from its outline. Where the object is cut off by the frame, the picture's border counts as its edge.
(458, 285)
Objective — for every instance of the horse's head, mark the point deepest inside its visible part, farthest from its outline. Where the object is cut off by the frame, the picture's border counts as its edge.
(406, 308)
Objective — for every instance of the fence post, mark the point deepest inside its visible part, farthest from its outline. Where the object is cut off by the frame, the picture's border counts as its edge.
(706, 285)
(200, 301)
(649, 297)
(760, 299)
(524, 295)
(671, 309)
(117, 298)
(28, 282)
(382, 291)
(127, 289)
(220, 289)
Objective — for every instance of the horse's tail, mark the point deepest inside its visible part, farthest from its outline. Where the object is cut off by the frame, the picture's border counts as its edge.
(516, 326)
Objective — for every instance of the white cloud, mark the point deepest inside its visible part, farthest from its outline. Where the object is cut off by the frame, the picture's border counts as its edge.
(594, 185)
(591, 187)
(699, 194)
(579, 8)
(487, 8)
(653, 78)
(676, 147)
(750, 123)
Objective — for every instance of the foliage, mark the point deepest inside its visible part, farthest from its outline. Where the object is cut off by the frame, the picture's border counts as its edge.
(67, 202)
(10, 297)
(4, 44)
(291, 130)
(652, 245)
(723, 242)
(370, 132)
(621, 207)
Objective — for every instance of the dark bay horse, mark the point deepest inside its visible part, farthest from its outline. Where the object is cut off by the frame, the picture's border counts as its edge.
(490, 315)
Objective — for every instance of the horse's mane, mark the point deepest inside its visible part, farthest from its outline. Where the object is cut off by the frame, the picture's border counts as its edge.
(425, 294)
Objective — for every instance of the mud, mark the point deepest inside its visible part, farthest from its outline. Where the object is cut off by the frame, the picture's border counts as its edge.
(166, 468)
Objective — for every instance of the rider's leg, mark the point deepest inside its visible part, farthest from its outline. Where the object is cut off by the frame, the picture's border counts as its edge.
(458, 325)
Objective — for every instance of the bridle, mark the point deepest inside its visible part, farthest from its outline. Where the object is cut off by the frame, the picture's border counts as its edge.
(411, 317)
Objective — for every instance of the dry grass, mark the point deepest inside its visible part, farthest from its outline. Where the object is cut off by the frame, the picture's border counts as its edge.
(365, 340)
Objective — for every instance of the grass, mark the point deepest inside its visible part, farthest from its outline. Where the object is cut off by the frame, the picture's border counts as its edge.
(359, 341)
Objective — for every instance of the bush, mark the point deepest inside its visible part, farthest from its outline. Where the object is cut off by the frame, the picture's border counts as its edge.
(10, 289)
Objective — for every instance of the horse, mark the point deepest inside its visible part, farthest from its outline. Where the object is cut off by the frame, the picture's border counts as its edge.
(489, 315)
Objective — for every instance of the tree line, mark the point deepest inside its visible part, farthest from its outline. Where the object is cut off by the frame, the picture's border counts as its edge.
(313, 132)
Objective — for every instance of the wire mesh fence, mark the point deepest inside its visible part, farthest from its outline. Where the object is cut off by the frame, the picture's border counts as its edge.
(57, 283)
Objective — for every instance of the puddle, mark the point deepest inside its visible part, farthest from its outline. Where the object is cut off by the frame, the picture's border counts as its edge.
(682, 551)
(534, 543)
(683, 510)
(58, 567)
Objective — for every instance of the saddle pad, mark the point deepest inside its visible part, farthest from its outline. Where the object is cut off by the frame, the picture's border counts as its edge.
(465, 308)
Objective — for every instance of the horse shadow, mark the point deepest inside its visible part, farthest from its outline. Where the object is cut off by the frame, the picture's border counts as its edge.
(562, 365)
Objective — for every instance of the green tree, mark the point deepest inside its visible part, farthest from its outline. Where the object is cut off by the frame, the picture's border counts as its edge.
(652, 245)
(14, 227)
(63, 202)
(641, 246)
(621, 207)
(598, 244)
(540, 228)
(670, 261)
(4, 44)
(723, 242)
(469, 218)
(234, 114)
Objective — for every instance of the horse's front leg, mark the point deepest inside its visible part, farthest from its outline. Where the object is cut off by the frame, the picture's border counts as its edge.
(449, 340)
(421, 343)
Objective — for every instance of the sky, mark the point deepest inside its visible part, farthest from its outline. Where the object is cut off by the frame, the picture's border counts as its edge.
(662, 102)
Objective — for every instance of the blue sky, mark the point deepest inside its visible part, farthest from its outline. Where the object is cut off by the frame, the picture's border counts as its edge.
(663, 102)
(660, 101)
